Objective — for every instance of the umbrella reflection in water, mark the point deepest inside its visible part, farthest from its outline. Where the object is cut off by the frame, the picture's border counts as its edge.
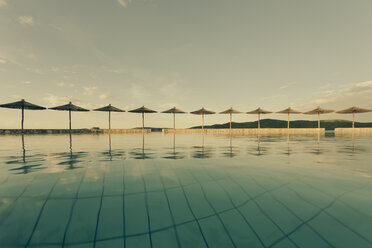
(72, 159)
(174, 154)
(230, 150)
(202, 151)
(110, 154)
(139, 153)
(29, 163)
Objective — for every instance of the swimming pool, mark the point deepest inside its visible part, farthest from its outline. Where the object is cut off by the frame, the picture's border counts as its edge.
(155, 190)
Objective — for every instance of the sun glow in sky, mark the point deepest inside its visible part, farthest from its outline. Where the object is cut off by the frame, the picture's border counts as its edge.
(188, 54)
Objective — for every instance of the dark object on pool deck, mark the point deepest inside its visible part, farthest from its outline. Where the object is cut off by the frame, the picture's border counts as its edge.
(142, 110)
(318, 111)
(354, 110)
(230, 111)
(289, 111)
(174, 111)
(70, 107)
(22, 105)
(203, 112)
(259, 111)
(109, 108)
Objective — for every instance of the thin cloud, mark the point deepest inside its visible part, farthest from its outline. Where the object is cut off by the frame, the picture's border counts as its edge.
(32, 57)
(3, 3)
(124, 3)
(66, 85)
(285, 86)
(26, 20)
(95, 91)
(27, 82)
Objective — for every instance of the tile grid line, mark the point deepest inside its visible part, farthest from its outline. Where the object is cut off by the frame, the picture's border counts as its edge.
(72, 210)
(147, 206)
(18, 197)
(324, 210)
(313, 217)
(180, 224)
(99, 209)
(262, 211)
(41, 210)
(169, 207)
(303, 221)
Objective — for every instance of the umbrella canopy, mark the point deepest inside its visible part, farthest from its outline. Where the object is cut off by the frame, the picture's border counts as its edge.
(288, 111)
(142, 110)
(22, 104)
(70, 107)
(318, 111)
(174, 111)
(203, 112)
(109, 108)
(259, 111)
(230, 111)
(354, 110)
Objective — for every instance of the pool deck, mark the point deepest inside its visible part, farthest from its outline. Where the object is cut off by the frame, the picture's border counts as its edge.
(364, 131)
(253, 131)
(74, 131)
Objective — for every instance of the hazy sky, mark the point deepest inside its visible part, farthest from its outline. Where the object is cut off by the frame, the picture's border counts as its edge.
(189, 54)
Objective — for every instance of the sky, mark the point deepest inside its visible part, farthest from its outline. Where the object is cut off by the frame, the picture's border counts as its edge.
(189, 54)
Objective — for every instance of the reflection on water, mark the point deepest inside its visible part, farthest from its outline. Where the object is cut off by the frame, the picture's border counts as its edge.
(70, 158)
(173, 154)
(154, 190)
(141, 153)
(202, 151)
(112, 154)
(25, 164)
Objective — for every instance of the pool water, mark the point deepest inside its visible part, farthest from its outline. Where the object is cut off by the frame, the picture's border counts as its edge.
(155, 190)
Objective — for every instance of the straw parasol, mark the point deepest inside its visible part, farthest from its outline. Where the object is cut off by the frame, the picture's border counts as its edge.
(289, 111)
(174, 111)
(70, 107)
(230, 111)
(202, 112)
(22, 104)
(142, 110)
(259, 111)
(354, 110)
(318, 111)
(109, 108)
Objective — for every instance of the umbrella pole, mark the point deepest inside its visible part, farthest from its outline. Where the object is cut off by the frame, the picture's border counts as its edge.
(353, 120)
(143, 121)
(288, 121)
(109, 120)
(174, 121)
(230, 120)
(318, 120)
(259, 118)
(203, 121)
(69, 118)
(23, 117)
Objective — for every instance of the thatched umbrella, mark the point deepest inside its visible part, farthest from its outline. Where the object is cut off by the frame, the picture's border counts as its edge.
(202, 112)
(230, 111)
(174, 111)
(70, 107)
(142, 110)
(354, 110)
(22, 104)
(259, 111)
(109, 108)
(318, 111)
(289, 111)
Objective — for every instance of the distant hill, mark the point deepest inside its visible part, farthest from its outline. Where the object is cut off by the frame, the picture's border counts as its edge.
(272, 123)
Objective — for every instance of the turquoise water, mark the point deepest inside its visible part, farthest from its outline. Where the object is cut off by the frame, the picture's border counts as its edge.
(185, 191)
